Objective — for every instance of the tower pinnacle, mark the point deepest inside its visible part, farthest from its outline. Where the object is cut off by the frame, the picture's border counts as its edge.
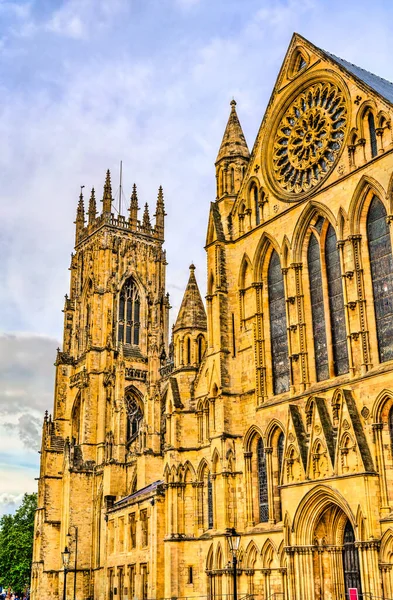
(146, 225)
(133, 210)
(92, 212)
(233, 142)
(107, 199)
(80, 217)
(160, 214)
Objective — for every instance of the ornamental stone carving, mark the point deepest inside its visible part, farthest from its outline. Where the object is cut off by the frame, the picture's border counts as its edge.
(307, 140)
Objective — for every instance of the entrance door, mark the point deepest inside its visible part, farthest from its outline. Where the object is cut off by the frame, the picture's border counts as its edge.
(351, 561)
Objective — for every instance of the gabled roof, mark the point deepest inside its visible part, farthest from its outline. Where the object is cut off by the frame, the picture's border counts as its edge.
(382, 86)
(233, 143)
(192, 313)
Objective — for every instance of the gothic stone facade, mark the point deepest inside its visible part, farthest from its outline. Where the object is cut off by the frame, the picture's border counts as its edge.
(271, 412)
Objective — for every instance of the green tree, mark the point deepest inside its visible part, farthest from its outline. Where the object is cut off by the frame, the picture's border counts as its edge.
(16, 545)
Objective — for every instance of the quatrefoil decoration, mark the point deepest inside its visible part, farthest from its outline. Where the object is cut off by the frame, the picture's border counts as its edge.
(309, 138)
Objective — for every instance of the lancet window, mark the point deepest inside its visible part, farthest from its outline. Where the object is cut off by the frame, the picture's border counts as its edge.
(129, 314)
(372, 133)
(278, 326)
(390, 425)
(324, 273)
(381, 263)
(209, 502)
(262, 483)
(134, 417)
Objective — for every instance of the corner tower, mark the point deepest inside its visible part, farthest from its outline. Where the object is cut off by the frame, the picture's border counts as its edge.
(106, 418)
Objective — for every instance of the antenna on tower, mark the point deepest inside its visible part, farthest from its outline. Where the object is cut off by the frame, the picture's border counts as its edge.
(120, 186)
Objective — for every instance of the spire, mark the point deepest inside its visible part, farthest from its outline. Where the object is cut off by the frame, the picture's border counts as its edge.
(80, 217)
(160, 214)
(107, 199)
(92, 212)
(146, 225)
(233, 143)
(133, 210)
(192, 313)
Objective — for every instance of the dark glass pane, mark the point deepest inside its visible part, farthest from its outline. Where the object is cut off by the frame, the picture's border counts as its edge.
(318, 225)
(121, 307)
(351, 561)
(391, 428)
(121, 333)
(336, 304)
(137, 307)
(381, 263)
(262, 483)
(136, 335)
(373, 137)
(128, 334)
(209, 502)
(280, 453)
(257, 216)
(129, 310)
(317, 309)
(278, 326)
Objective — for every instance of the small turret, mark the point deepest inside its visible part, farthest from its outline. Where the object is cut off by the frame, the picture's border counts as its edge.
(189, 331)
(160, 214)
(232, 158)
(107, 199)
(92, 212)
(80, 218)
(146, 225)
(133, 210)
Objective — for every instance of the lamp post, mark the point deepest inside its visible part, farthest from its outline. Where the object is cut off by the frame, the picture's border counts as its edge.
(234, 542)
(74, 527)
(65, 556)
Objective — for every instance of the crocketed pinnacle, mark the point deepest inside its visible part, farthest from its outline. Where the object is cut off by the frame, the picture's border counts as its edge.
(146, 219)
(80, 211)
(160, 200)
(107, 199)
(92, 212)
(134, 199)
(192, 313)
(233, 143)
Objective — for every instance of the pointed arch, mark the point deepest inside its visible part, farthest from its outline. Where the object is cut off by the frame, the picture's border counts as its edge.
(271, 431)
(311, 210)
(361, 524)
(386, 549)
(210, 558)
(285, 251)
(189, 472)
(219, 562)
(246, 276)
(342, 223)
(266, 245)
(311, 507)
(268, 553)
(202, 468)
(129, 312)
(216, 462)
(361, 198)
(249, 437)
(251, 555)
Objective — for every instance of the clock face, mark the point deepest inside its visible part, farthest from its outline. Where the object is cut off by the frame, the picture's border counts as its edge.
(308, 140)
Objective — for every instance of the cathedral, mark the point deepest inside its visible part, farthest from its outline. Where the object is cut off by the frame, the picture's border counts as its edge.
(268, 410)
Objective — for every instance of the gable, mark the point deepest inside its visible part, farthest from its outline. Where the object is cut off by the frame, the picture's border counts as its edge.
(315, 115)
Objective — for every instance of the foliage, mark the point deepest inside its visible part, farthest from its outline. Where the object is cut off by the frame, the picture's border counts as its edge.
(16, 545)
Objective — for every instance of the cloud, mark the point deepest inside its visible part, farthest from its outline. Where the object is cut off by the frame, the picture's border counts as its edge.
(27, 430)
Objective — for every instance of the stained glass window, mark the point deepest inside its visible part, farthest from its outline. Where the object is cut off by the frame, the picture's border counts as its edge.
(351, 560)
(256, 204)
(129, 314)
(336, 303)
(278, 326)
(390, 424)
(262, 483)
(381, 262)
(280, 453)
(373, 137)
(317, 309)
(134, 417)
(209, 502)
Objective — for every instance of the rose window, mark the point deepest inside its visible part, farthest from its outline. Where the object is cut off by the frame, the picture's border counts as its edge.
(309, 138)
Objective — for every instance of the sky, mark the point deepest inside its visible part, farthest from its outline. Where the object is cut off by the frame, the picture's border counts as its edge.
(85, 84)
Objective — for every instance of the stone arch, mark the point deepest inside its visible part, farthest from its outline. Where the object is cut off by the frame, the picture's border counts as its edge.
(245, 266)
(219, 562)
(202, 468)
(342, 223)
(360, 201)
(310, 509)
(285, 250)
(265, 247)
(189, 472)
(216, 462)
(268, 554)
(386, 549)
(251, 555)
(383, 397)
(364, 108)
(249, 437)
(311, 210)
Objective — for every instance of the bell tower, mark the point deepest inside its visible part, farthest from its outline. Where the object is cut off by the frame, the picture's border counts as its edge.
(107, 411)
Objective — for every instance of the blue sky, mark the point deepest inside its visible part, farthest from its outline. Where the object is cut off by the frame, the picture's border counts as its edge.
(87, 83)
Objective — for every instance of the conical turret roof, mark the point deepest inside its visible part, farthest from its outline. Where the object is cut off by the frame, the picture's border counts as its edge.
(192, 313)
(233, 143)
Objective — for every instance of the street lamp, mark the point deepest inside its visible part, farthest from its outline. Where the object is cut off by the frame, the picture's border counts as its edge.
(65, 556)
(74, 527)
(234, 542)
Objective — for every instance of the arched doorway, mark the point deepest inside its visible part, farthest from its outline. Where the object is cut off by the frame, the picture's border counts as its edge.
(335, 557)
(325, 557)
